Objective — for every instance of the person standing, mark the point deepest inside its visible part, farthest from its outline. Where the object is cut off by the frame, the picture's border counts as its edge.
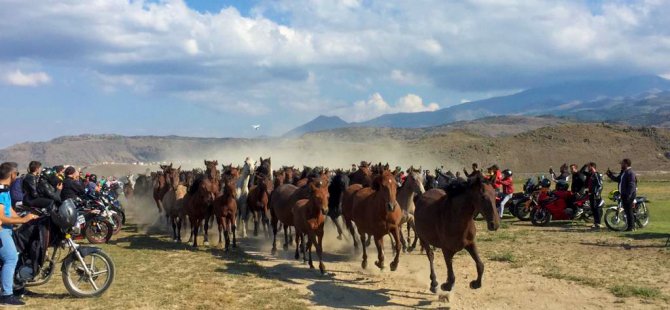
(627, 188)
(507, 190)
(8, 253)
(72, 187)
(595, 187)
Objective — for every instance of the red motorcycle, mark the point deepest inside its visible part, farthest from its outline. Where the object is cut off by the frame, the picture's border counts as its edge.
(561, 206)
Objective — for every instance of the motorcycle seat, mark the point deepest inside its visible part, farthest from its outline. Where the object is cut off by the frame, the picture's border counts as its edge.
(548, 201)
(640, 198)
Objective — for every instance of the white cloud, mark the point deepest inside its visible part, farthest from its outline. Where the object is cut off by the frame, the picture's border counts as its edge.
(364, 110)
(18, 78)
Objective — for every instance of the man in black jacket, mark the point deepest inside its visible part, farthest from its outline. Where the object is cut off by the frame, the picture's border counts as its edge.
(627, 188)
(578, 179)
(37, 192)
(72, 188)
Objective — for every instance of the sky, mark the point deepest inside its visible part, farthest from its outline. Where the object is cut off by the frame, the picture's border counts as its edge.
(215, 68)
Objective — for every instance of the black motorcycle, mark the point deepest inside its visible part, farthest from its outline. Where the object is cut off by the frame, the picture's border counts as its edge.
(86, 271)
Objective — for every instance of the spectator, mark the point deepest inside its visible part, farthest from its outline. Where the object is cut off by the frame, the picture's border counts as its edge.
(628, 189)
(595, 186)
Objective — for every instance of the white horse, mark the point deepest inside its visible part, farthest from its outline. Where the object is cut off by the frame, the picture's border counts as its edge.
(242, 193)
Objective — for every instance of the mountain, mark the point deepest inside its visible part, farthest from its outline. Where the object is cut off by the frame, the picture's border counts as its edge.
(320, 123)
(640, 100)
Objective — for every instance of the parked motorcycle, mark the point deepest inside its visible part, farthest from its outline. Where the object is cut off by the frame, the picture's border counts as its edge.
(562, 205)
(94, 221)
(615, 217)
(86, 271)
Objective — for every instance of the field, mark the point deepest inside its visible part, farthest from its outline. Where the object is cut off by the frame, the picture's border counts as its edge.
(561, 266)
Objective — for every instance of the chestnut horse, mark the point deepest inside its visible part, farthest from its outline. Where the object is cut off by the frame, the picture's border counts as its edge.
(309, 216)
(446, 221)
(225, 210)
(197, 204)
(173, 202)
(411, 188)
(257, 203)
(376, 213)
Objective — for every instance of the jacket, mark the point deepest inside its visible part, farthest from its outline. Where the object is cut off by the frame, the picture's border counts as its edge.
(15, 190)
(29, 186)
(507, 186)
(627, 183)
(71, 189)
(578, 182)
(595, 182)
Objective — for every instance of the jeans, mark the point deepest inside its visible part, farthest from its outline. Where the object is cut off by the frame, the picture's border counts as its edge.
(9, 258)
(501, 209)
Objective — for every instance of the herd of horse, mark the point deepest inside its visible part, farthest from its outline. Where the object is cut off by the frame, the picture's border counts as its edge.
(370, 200)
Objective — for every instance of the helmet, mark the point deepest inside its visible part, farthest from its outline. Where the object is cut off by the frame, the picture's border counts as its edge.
(613, 195)
(546, 183)
(507, 173)
(562, 185)
(66, 215)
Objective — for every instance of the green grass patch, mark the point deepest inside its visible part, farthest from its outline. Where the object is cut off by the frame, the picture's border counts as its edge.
(506, 256)
(556, 273)
(635, 291)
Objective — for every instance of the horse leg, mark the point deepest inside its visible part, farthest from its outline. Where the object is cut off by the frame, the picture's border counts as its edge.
(286, 239)
(190, 237)
(472, 249)
(402, 238)
(178, 229)
(233, 229)
(219, 224)
(451, 278)
(274, 222)
(397, 235)
(379, 243)
(416, 237)
(310, 242)
(338, 226)
(350, 227)
(206, 234)
(431, 258)
(319, 251)
(297, 245)
(174, 230)
(364, 264)
(196, 225)
(256, 220)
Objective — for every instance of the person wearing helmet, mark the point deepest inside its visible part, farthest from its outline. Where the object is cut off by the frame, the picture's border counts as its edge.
(8, 253)
(507, 189)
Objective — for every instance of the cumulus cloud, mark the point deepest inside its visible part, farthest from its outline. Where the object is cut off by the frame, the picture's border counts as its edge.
(364, 110)
(18, 78)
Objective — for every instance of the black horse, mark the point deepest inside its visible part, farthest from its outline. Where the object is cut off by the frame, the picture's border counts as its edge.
(337, 186)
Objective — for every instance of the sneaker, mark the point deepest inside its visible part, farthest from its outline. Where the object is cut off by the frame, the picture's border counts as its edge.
(579, 212)
(11, 301)
(596, 226)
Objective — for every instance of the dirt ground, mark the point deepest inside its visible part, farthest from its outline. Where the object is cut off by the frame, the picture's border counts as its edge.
(563, 266)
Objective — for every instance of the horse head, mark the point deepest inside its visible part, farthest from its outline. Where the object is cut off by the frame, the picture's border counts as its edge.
(484, 199)
(385, 184)
(415, 180)
(319, 195)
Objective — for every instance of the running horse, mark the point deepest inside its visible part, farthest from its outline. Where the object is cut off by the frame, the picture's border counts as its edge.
(197, 204)
(446, 221)
(411, 188)
(242, 189)
(225, 209)
(309, 216)
(173, 202)
(336, 189)
(376, 213)
(160, 186)
(258, 203)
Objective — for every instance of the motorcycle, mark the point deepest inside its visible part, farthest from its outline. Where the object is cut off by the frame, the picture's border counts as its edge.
(615, 217)
(94, 221)
(114, 208)
(556, 208)
(86, 271)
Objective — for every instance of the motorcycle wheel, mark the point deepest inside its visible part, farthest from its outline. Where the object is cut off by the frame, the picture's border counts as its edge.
(615, 220)
(79, 284)
(642, 215)
(521, 212)
(97, 231)
(540, 217)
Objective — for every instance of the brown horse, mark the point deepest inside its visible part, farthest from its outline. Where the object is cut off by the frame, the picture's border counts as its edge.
(197, 205)
(160, 186)
(128, 190)
(361, 176)
(411, 188)
(445, 220)
(281, 211)
(348, 210)
(225, 211)
(309, 215)
(257, 203)
(173, 202)
(376, 213)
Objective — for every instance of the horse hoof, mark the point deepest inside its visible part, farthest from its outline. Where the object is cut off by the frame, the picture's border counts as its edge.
(297, 256)
(322, 268)
(404, 250)
(206, 243)
(311, 266)
(394, 266)
(274, 251)
(446, 287)
(285, 247)
(380, 265)
(433, 288)
(339, 237)
(410, 249)
(364, 264)
(475, 285)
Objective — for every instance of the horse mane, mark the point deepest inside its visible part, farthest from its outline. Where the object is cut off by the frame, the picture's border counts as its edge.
(456, 188)
(196, 185)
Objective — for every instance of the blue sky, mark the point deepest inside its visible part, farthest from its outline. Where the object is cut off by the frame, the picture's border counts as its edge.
(215, 68)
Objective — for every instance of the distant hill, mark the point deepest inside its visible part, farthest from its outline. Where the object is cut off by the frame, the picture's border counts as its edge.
(320, 123)
(524, 144)
(628, 100)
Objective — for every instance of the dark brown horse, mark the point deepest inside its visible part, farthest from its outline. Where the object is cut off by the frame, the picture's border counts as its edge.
(445, 220)
(411, 188)
(348, 210)
(309, 215)
(128, 190)
(225, 211)
(160, 186)
(173, 202)
(257, 203)
(376, 213)
(197, 204)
